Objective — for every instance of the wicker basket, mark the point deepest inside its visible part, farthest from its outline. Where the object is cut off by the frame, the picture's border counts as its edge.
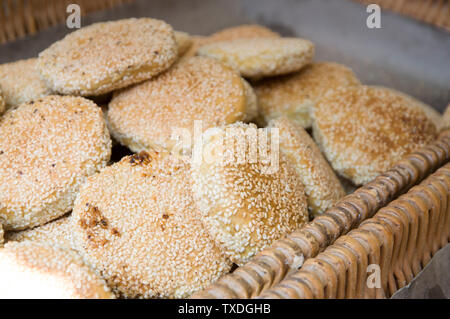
(401, 238)
(23, 17)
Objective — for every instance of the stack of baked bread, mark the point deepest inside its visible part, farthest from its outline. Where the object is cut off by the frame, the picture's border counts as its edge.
(221, 161)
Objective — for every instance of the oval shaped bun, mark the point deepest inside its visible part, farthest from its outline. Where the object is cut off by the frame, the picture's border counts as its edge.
(322, 186)
(294, 95)
(21, 83)
(108, 56)
(198, 88)
(55, 233)
(247, 202)
(34, 270)
(47, 149)
(136, 223)
(256, 58)
(364, 130)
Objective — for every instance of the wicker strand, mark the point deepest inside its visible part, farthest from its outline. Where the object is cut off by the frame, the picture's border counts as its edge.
(272, 265)
(401, 239)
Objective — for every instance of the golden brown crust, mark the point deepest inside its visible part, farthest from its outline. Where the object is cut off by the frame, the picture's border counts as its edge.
(20, 82)
(322, 187)
(364, 130)
(108, 56)
(47, 149)
(198, 88)
(294, 95)
(262, 57)
(55, 233)
(246, 203)
(34, 270)
(137, 224)
(232, 33)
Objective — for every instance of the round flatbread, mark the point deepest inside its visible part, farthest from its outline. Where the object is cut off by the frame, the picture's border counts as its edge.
(47, 149)
(137, 224)
(108, 56)
(154, 112)
(256, 58)
(249, 195)
(365, 130)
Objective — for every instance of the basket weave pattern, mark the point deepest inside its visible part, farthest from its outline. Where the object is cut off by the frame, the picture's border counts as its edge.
(273, 264)
(401, 238)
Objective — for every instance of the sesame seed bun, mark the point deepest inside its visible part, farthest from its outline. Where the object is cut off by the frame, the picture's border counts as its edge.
(34, 270)
(294, 95)
(20, 82)
(55, 233)
(136, 223)
(256, 58)
(246, 204)
(183, 41)
(446, 118)
(227, 34)
(108, 56)
(322, 187)
(198, 88)
(364, 130)
(47, 149)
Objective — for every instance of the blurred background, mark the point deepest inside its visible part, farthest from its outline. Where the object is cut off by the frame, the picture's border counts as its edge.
(410, 52)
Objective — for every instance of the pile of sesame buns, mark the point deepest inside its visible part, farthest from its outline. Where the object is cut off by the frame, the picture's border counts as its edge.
(142, 162)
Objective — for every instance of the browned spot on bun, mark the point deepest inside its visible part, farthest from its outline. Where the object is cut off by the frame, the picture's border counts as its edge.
(142, 158)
